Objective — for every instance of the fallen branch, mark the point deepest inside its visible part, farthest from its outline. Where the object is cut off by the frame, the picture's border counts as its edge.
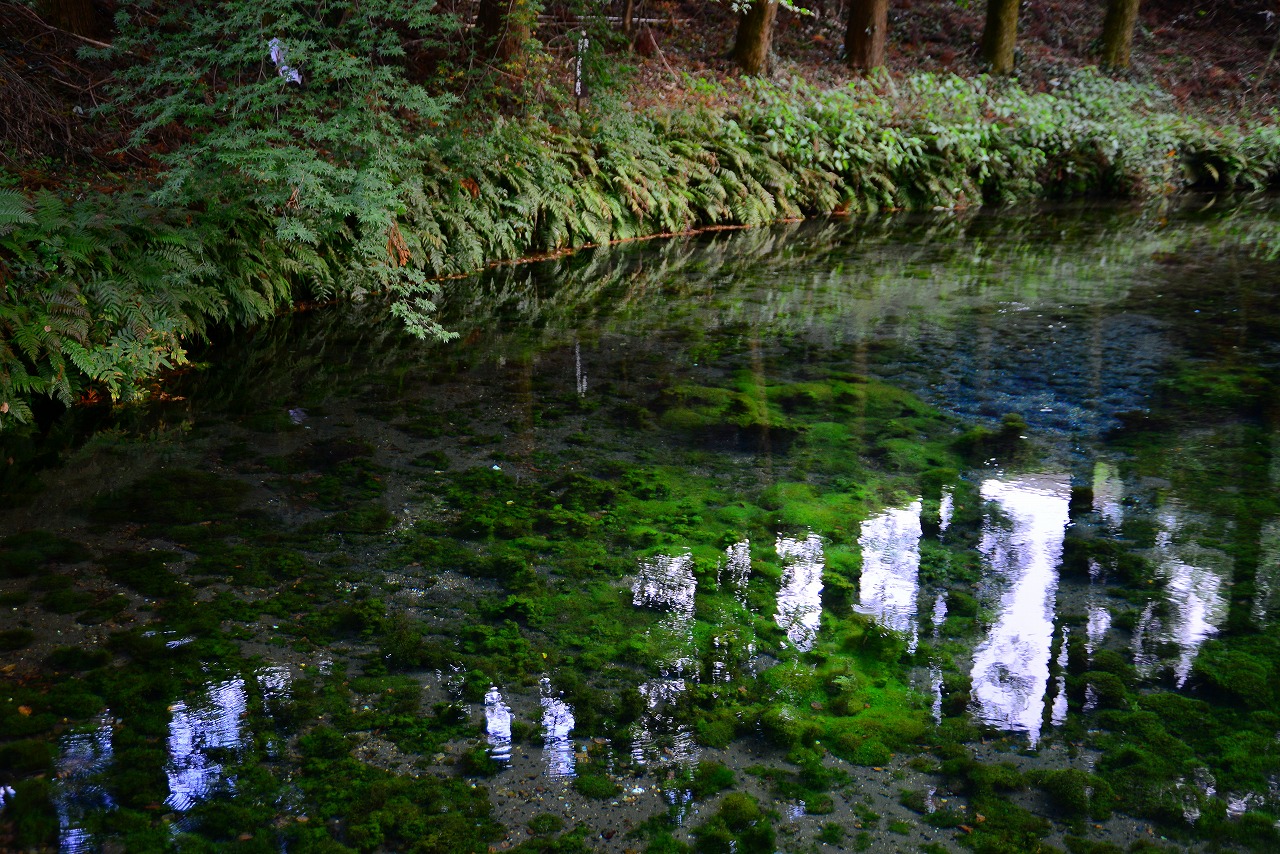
(48, 26)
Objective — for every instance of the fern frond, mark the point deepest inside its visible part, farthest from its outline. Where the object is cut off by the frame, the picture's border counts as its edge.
(15, 210)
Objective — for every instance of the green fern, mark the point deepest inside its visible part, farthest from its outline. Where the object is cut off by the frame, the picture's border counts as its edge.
(15, 210)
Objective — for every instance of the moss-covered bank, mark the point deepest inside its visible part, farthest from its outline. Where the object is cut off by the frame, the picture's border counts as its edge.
(103, 293)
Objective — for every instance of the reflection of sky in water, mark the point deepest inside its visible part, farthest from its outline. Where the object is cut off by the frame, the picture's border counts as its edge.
(497, 725)
(1194, 593)
(729, 649)
(579, 377)
(216, 723)
(1099, 619)
(939, 612)
(1023, 360)
(736, 570)
(720, 672)
(1108, 493)
(211, 723)
(946, 507)
(935, 687)
(800, 597)
(274, 681)
(1238, 805)
(84, 755)
(557, 729)
(666, 582)
(891, 569)
(1145, 636)
(1059, 714)
(659, 740)
(1022, 550)
(1192, 792)
(1096, 630)
(1267, 581)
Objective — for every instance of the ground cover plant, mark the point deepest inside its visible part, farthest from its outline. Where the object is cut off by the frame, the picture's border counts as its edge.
(105, 293)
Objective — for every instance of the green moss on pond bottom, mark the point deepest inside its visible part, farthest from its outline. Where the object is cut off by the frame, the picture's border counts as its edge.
(31, 813)
(595, 786)
(738, 825)
(585, 626)
(1077, 794)
(22, 554)
(75, 658)
(25, 757)
(546, 823)
(145, 572)
(15, 639)
(710, 777)
(171, 497)
(250, 566)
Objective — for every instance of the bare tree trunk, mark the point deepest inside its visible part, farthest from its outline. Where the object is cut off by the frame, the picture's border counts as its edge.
(1117, 33)
(74, 16)
(628, 14)
(755, 36)
(864, 39)
(1000, 34)
(503, 26)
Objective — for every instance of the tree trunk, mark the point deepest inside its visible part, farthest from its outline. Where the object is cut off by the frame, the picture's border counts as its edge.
(74, 16)
(864, 39)
(1000, 34)
(503, 26)
(628, 14)
(755, 36)
(1117, 33)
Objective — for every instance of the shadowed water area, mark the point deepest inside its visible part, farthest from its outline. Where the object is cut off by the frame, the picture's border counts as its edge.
(915, 534)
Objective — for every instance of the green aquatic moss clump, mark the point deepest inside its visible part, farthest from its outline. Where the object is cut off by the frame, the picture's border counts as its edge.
(171, 497)
(31, 813)
(1077, 794)
(15, 639)
(711, 777)
(22, 554)
(382, 810)
(145, 572)
(1242, 673)
(595, 786)
(546, 823)
(25, 757)
(739, 825)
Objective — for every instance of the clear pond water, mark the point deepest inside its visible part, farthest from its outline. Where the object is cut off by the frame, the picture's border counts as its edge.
(915, 534)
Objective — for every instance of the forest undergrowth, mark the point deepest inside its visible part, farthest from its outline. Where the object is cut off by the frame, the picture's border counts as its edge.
(106, 290)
